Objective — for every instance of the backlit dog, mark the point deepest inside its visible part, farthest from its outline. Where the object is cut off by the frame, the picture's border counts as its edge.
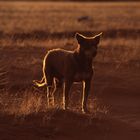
(61, 68)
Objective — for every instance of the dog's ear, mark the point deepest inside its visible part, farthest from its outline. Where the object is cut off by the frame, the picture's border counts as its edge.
(80, 38)
(96, 39)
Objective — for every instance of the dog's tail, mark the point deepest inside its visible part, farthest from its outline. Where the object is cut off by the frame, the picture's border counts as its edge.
(43, 81)
(40, 83)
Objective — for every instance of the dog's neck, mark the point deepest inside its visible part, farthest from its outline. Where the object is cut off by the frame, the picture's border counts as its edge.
(83, 62)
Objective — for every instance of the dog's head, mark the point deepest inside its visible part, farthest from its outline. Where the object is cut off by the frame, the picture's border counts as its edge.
(88, 45)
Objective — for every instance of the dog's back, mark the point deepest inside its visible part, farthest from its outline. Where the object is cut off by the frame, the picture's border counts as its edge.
(56, 60)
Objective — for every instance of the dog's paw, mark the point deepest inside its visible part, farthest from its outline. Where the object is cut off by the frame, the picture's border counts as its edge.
(85, 111)
(65, 108)
(35, 82)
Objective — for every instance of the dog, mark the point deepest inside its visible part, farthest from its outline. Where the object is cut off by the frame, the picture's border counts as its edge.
(61, 68)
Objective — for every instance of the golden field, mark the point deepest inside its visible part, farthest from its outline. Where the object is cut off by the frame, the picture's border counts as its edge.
(29, 29)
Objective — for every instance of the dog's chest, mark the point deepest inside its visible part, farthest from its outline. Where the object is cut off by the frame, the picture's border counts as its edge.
(79, 76)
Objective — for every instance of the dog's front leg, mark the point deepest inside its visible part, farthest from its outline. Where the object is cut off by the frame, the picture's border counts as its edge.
(66, 89)
(86, 91)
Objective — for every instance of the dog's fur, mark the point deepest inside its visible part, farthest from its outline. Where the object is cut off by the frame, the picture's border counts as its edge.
(62, 68)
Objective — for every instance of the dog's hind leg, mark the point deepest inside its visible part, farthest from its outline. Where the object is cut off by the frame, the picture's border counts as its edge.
(66, 89)
(50, 91)
(58, 92)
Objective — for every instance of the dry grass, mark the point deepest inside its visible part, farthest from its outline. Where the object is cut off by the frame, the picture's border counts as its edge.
(22, 17)
(32, 101)
(29, 30)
